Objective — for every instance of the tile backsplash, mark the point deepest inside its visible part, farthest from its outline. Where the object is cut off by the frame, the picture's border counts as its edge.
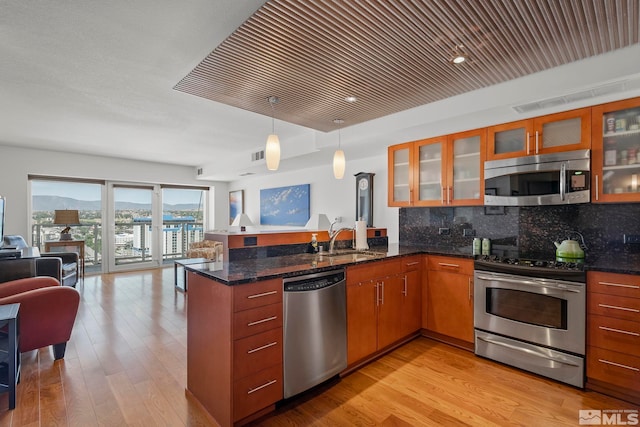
(526, 232)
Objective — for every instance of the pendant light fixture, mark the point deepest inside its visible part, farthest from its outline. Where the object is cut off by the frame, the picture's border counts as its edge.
(339, 162)
(272, 150)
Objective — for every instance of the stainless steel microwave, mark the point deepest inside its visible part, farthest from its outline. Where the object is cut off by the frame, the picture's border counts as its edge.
(544, 179)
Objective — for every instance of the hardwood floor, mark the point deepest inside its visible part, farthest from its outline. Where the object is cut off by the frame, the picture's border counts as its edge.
(126, 365)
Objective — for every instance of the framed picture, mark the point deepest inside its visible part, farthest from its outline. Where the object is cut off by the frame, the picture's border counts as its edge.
(285, 205)
(236, 204)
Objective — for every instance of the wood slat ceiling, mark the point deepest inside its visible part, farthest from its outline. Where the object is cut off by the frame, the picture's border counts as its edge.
(394, 54)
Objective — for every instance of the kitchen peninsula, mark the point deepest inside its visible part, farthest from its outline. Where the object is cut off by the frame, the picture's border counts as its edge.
(235, 321)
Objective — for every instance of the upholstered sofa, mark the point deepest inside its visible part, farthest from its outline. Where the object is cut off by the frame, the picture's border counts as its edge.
(62, 266)
(209, 249)
(47, 312)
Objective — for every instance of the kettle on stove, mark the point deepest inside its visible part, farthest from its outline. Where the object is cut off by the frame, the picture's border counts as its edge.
(570, 250)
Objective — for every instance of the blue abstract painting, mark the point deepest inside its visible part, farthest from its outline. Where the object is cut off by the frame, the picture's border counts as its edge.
(285, 205)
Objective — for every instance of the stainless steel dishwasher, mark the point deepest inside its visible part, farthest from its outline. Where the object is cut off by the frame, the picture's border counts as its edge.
(315, 329)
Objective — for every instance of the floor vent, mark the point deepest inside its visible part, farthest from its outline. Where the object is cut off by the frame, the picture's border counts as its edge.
(606, 89)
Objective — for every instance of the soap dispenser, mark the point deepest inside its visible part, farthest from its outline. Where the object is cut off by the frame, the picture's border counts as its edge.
(312, 247)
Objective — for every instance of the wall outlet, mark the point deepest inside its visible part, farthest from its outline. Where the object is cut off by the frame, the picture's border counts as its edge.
(443, 231)
(468, 232)
(631, 238)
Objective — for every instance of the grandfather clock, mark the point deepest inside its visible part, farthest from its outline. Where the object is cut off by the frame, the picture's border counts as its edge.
(364, 197)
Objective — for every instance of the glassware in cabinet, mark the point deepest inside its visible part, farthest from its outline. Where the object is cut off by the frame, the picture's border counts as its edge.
(616, 151)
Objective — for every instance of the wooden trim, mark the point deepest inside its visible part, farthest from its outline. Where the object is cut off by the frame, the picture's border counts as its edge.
(234, 241)
(448, 340)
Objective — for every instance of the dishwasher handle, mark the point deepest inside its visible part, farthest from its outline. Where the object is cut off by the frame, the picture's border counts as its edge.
(313, 282)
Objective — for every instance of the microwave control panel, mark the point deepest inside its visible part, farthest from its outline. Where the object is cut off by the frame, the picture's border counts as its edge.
(578, 181)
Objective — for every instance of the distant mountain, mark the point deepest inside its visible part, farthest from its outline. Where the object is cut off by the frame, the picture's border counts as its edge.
(50, 203)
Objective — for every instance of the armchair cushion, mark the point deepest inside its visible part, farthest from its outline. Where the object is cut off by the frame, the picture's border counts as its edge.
(47, 311)
(209, 249)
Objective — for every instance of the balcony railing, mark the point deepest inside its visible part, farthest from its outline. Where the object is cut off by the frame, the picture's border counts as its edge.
(130, 241)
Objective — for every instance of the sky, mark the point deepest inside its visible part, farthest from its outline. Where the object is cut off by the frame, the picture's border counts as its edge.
(91, 192)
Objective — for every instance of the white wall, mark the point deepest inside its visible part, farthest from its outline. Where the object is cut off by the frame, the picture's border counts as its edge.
(17, 163)
(330, 196)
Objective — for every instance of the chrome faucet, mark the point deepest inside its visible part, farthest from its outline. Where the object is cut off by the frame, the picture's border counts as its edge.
(333, 234)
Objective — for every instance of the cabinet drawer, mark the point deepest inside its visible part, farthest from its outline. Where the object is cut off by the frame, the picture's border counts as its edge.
(620, 335)
(454, 265)
(373, 270)
(257, 352)
(410, 263)
(257, 320)
(614, 306)
(614, 368)
(257, 294)
(256, 392)
(614, 284)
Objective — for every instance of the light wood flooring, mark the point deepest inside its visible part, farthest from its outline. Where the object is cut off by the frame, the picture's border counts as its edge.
(125, 365)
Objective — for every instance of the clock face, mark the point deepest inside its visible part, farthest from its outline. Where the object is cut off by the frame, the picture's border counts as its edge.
(363, 184)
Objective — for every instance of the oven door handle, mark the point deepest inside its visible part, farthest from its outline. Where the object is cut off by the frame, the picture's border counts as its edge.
(528, 351)
(528, 282)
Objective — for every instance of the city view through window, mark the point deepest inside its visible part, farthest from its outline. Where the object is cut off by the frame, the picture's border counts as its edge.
(132, 242)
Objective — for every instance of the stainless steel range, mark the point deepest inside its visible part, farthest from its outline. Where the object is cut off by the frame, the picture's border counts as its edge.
(531, 314)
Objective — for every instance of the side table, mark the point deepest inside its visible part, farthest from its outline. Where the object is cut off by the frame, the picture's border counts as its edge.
(9, 352)
(70, 243)
(180, 278)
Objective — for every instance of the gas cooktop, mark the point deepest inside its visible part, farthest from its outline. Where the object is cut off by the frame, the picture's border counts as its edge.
(548, 269)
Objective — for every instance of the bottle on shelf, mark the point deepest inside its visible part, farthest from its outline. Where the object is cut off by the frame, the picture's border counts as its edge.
(486, 246)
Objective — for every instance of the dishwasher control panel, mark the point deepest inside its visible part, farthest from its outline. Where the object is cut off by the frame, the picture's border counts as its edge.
(313, 282)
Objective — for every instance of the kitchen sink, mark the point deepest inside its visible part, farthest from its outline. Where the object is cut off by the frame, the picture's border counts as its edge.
(353, 255)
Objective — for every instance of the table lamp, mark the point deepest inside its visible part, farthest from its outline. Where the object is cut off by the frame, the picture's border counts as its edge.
(243, 221)
(66, 217)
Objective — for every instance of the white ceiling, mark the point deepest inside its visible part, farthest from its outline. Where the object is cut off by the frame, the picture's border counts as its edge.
(97, 77)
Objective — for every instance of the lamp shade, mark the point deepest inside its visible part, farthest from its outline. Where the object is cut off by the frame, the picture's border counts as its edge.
(242, 220)
(339, 164)
(272, 152)
(318, 222)
(66, 217)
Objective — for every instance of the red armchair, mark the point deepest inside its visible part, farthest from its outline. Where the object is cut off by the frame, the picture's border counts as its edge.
(47, 312)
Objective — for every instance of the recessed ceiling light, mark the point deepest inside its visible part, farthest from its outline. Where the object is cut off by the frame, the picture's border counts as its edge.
(351, 99)
(458, 56)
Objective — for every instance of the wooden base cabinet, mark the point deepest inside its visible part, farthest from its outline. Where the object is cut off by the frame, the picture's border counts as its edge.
(234, 347)
(613, 334)
(449, 298)
(383, 305)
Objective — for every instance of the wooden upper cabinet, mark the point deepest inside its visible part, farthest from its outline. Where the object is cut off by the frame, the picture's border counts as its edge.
(566, 131)
(616, 152)
(400, 169)
(441, 171)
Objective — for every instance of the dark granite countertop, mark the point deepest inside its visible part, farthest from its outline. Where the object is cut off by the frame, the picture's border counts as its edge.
(617, 262)
(252, 270)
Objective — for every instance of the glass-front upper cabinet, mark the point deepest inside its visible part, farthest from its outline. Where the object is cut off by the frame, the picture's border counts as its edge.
(566, 131)
(466, 177)
(430, 176)
(616, 152)
(400, 181)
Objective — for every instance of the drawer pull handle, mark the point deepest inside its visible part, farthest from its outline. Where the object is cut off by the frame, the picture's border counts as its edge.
(619, 285)
(257, 322)
(619, 365)
(262, 295)
(271, 344)
(253, 390)
(409, 264)
(633, 310)
(604, 328)
(446, 264)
